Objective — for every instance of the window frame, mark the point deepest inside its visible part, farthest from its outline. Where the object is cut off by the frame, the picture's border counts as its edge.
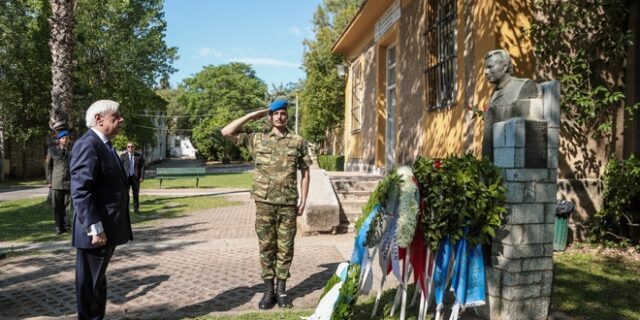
(441, 52)
(357, 90)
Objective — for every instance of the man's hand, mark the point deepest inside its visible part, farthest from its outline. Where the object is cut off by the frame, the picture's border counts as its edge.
(141, 179)
(99, 240)
(300, 210)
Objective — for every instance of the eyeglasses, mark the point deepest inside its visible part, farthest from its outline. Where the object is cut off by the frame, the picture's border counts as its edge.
(129, 146)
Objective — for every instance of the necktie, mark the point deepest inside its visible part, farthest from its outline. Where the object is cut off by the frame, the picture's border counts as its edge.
(113, 151)
(130, 165)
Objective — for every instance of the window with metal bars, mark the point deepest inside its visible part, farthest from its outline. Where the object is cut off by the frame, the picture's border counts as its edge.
(441, 51)
(356, 99)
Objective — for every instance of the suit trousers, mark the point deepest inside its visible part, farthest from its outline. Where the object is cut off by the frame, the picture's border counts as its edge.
(134, 185)
(61, 200)
(91, 282)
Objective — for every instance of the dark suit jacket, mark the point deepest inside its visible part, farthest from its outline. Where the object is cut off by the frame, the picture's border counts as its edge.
(99, 192)
(138, 164)
(57, 168)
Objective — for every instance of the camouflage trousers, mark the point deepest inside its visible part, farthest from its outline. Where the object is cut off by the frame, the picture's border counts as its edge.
(276, 230)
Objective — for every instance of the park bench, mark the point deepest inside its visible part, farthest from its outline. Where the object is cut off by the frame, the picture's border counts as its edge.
(176, 173)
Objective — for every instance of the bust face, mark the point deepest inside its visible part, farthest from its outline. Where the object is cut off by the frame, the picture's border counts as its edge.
(495, 69)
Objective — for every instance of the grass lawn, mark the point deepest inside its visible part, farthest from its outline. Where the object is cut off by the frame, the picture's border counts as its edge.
(22, 183)
(32, 219)
(590, 285)
(217, 180)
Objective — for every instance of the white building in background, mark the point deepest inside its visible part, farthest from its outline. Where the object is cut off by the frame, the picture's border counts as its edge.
(158, 151)
(180, 147)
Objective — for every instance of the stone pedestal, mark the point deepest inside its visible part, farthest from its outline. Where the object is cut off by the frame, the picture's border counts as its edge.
(520, 276)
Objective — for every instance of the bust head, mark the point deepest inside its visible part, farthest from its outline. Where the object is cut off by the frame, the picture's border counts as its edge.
(498, 67)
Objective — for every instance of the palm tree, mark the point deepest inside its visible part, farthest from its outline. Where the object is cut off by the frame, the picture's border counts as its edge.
(61, 45)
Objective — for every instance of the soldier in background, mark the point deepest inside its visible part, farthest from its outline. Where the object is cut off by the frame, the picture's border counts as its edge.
(59, 180)
(278, 154)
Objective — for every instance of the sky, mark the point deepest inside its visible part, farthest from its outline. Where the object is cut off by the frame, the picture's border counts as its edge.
(267, 34)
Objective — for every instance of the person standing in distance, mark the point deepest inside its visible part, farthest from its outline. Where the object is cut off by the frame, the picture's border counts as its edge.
(100, 199)
(59, 180)
(278, 154)
(134, 167)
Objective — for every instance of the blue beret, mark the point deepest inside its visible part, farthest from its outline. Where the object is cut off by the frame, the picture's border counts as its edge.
(62, 133)
(277, 105)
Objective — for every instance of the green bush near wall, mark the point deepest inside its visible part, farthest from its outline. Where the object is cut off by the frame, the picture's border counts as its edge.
(331, 162)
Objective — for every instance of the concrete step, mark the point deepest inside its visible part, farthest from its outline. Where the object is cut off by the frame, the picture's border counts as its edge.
(350, 196)
(352, 206)
(349, 185)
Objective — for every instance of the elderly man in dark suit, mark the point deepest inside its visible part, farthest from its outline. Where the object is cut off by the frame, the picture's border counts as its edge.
(134, 167)
(100, 199)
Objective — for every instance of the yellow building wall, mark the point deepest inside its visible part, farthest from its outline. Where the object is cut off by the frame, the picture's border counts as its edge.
(496, 24)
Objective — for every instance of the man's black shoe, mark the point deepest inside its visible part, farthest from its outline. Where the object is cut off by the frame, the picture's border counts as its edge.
(268, 299)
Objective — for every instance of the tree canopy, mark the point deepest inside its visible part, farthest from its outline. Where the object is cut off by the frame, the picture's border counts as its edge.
(323, 91)
(120, 54)
(214, 97)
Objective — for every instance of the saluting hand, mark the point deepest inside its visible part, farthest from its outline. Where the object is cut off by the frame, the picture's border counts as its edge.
(256, 115)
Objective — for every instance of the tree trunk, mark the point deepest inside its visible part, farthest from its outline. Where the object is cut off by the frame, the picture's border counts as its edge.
(2, 152)
(61, 45)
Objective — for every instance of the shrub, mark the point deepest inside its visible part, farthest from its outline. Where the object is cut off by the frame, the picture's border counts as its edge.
(331, 162)
(617, 222)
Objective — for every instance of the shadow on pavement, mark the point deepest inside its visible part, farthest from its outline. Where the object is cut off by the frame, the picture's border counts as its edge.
(312, 283)
(225, 301)
(47, 288)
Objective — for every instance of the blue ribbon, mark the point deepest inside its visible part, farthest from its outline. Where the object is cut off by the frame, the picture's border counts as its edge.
(361, 238)
(442, 269)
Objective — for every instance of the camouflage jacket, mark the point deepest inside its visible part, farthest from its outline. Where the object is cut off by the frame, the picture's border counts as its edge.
(277, 158)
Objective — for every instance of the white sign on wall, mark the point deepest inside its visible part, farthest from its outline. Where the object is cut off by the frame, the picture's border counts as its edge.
(387, 20)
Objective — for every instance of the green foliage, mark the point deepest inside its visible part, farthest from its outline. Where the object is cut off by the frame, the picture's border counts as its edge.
(330, 283)
(343, 309)
(381, 195)
(214, 97)
(460, 192)
(331, 162)
(119, 54)
(25, 68)
(617, 224)
(323, 92)
(585, 44)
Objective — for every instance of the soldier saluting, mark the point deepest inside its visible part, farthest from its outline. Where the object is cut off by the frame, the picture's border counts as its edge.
(278, 154)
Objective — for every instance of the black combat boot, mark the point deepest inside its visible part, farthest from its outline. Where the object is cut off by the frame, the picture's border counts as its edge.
(269, 298)
(281, 295)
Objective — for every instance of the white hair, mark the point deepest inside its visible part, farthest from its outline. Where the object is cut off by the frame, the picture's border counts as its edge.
(101, 107)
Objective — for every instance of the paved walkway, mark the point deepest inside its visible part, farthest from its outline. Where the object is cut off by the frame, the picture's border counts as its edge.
(200, 264)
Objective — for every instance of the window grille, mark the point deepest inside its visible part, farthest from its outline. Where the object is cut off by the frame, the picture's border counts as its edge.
(441, 53)
(356, 98)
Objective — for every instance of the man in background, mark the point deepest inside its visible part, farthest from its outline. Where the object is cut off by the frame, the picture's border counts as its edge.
(133, 163)
(59, 180)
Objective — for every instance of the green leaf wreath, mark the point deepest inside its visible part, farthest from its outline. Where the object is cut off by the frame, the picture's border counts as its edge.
(460, 192)
(343, 309)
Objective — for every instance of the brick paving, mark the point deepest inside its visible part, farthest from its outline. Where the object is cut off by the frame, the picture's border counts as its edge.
(204, 263)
